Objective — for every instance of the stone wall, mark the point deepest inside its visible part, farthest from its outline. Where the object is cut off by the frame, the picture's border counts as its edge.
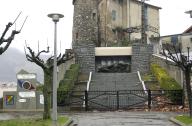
(85, 33)
(141, 55)
(85, 28)
(85, 56)
(173, 70)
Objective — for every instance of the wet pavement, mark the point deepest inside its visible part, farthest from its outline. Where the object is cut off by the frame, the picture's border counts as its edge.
(122, 119)
(106, 118)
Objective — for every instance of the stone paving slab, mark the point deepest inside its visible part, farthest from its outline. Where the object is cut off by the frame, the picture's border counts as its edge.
(123, 119)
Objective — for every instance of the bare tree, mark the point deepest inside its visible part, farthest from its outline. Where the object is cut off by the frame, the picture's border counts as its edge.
(5, 43)
(47, 66)
(174, 53)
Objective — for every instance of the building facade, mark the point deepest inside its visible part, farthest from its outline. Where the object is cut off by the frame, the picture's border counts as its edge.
(184, 40)
(120, 21)
(113, 22)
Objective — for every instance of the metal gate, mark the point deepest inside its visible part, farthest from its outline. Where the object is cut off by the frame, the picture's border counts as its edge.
(115, 100)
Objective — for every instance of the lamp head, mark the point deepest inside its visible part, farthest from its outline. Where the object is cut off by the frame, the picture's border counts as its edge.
(55, 16)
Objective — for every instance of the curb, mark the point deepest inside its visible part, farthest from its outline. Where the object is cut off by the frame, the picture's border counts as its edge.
(70, 121)
(172, 119)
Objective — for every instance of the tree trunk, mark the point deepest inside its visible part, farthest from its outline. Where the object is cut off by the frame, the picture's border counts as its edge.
(188, 88)
(47, 93)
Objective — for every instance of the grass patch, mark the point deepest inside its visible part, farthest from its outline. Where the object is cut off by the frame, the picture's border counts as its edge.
(184, 119)
(33, 122)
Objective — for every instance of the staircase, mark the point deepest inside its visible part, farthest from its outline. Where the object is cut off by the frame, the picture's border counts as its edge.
(124, 83)
(78, 92)
(124, 91)
(115, 82)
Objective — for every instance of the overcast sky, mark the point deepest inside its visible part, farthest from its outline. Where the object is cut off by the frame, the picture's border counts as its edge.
(40, 28)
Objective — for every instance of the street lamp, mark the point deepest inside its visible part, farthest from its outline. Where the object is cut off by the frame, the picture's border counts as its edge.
(55, 17)
(189, 12)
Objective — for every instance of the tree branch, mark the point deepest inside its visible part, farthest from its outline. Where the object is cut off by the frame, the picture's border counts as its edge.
(179, 61)
(43, 51)
(33, 58)
(8, 41)
(5, 31)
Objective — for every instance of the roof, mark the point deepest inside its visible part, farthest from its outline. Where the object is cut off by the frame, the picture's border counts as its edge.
(135, 1)
(189, 30)
(153, 6)
(22, 71)
(185, 33)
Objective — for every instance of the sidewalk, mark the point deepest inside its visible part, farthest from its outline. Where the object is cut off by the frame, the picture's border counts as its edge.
(122, 119)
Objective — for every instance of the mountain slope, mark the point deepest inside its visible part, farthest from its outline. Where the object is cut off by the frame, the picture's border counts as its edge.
(12, 61)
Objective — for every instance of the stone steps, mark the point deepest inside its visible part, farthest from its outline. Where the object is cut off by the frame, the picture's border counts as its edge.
(78, 93)
(108, 82)
(115, 81)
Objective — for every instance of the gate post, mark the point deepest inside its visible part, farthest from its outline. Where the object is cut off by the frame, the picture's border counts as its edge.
(183, 98)
(149, 99)
(86, 100)
(117, 100)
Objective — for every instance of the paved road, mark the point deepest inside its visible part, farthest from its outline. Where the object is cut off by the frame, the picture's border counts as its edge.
(122, 119)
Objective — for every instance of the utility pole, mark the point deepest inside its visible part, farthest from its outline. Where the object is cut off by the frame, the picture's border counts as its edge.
(143, 23)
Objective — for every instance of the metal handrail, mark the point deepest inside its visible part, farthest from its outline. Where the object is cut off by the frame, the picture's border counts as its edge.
(142, 82)
(88, 84)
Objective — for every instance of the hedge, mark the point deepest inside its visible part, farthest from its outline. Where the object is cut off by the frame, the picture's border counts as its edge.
(68, 82)
(70, 78)
(174, 90)
(166, 82)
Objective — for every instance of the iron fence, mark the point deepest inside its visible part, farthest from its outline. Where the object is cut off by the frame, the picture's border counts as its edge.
(124, 99)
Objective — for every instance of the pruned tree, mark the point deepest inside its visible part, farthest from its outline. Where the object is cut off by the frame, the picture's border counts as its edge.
(182, 61)
(47, 66)
(5, 43)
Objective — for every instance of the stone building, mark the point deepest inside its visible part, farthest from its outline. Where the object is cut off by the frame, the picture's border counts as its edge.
(113, 22)
(118, 16)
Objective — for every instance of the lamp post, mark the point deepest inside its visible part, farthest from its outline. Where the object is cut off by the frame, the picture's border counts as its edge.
(189, 12)
(55, 17)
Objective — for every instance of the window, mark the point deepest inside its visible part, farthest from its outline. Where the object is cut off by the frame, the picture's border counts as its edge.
(77, 35)
(146, 14)
(191, 40)
(174, 40)
(113, 15)
(94, 16)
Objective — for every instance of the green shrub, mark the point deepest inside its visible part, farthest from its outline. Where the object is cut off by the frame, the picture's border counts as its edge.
(40, 88)
(167, 83)
(70, 78)
(68, 82)
(65, 85)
